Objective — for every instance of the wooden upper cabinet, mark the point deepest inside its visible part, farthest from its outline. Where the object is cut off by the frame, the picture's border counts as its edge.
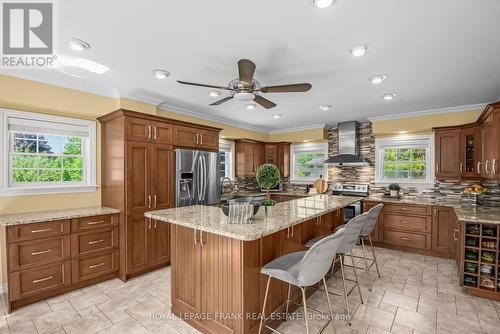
(162, 164)
(279, 154)
(249, 157)
(163, 133)
(271, 154)
(487, 143)
(448, 154)
(495, 135)
(138, 129)
(196, 138)
(470, 152)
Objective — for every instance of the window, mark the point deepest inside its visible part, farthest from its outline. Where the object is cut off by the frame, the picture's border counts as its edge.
(307, 161)
(46, 154)
(226, 154)
(406, 160)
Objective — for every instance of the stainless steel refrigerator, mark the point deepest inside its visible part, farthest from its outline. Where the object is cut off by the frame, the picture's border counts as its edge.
(197, 178)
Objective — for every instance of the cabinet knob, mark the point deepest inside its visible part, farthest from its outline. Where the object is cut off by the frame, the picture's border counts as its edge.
(479, 168)
(461, 168)
(493, 166)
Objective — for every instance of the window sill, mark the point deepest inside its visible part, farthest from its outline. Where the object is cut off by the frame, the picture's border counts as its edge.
(302, 181)
(423, 185)
(24, 191)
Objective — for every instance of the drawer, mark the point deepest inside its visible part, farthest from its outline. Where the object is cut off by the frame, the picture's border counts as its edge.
(408, 209)
(94, 241)
(407, 239)
(27, 254)
(38, 230)
(89, 267)
(91, 223)
(26, 283)
(404, 222)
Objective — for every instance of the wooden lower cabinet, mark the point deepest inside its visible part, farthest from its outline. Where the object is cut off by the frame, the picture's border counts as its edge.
(50, 258)
(217, 279)
(419, 228)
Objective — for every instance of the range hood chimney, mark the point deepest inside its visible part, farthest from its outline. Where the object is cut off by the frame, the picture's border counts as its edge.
(348, 146)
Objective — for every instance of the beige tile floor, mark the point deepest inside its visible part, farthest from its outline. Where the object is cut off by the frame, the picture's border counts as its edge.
(416, 294)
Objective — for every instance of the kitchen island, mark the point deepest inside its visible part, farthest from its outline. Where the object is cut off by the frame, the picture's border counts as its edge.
(216, 285)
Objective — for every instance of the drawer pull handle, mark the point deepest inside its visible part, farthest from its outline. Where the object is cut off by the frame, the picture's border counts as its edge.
(43, 279)
(96, 265)
(41, 231)
(404, 208)
(405, 222)
(405, 238)
(96, 242)
(95, 223)
(42, 252)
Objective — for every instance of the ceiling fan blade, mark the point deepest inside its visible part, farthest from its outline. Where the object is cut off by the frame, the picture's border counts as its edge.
(246, 69)
(216, 103)
(201, 85)
(301, 87)
(264, 102)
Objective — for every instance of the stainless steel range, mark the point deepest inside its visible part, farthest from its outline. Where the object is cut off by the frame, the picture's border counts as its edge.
(351, 189)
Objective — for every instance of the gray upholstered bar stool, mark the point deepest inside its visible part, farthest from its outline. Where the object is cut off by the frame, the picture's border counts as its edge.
(366, 231)
(303, 269)
(351, 232)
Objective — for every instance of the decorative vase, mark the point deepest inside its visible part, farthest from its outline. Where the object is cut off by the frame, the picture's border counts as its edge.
(394, 193)
(269, 211)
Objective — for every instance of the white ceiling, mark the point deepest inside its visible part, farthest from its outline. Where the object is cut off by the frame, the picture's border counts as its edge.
(435, 53)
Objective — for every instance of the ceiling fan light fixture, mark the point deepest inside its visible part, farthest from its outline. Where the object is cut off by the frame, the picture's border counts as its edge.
(244, 96)
(323, 3)
(325, 107)
(359, 51)
(377, 79)
(214, 93)
(161, 74)
(251, 106)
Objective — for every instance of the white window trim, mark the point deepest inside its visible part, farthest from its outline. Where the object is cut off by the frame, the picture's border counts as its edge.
(39, 189)
(231, 144)
(308, 147)
(400, 141)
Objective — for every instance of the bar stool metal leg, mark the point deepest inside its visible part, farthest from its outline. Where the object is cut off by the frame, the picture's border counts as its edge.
(262, 316)
(346, 300)
(288, 300)
(374, 256)
(356, 276)
(329, 306)
(367, 269)
(304, 301)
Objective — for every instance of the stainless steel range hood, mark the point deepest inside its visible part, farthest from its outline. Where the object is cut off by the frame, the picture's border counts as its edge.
(348, 146)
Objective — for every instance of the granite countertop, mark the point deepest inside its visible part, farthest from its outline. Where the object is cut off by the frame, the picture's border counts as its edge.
(465, 211)
(226, 196)
(45, 216)
(286, 214)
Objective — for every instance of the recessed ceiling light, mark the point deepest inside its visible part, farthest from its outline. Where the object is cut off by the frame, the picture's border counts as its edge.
(325, 107)
(161, 74)
(214, 93)
(277, 116)
(389, 97)
(377, 79)
(323, 3)
(359, 51)
(77, 44)
(251, 106)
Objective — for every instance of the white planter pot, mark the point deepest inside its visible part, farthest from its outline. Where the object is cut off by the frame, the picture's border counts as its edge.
(269, 211)
(394, 193)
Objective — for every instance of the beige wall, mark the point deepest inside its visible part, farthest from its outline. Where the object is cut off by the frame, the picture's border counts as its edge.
(424, 124)
(300, 136)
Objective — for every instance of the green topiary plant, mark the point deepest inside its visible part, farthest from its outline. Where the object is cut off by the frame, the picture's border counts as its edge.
(394, 186)
(268, 176)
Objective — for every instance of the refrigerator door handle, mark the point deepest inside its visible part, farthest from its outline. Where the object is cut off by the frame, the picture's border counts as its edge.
(205, 175)
(200, 178)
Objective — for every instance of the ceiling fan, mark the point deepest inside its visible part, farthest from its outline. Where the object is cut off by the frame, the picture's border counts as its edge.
(246, 88)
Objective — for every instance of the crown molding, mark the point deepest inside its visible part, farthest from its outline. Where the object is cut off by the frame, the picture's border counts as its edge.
(145, 99)
(179, 110)
(299, 128)
(429, 112)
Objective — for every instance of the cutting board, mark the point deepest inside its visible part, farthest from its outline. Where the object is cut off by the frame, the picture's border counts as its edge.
(321, 185)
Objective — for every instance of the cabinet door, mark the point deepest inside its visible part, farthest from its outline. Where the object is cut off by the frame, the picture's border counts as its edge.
(163, 133)
(185, 136)
(470, 152)
(272, 154)
(284, 159)
(186, 270)
(208, 139)
(448, 154)
(443, 231)
(259, 155)
(162, 163)
(139, 129)
(495, 131)
(487, 143)
(249, 162)
(138, 242)
(138, 176)
(160, 233)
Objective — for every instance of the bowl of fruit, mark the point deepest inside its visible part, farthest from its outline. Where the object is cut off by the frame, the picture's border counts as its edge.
(472, 193)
